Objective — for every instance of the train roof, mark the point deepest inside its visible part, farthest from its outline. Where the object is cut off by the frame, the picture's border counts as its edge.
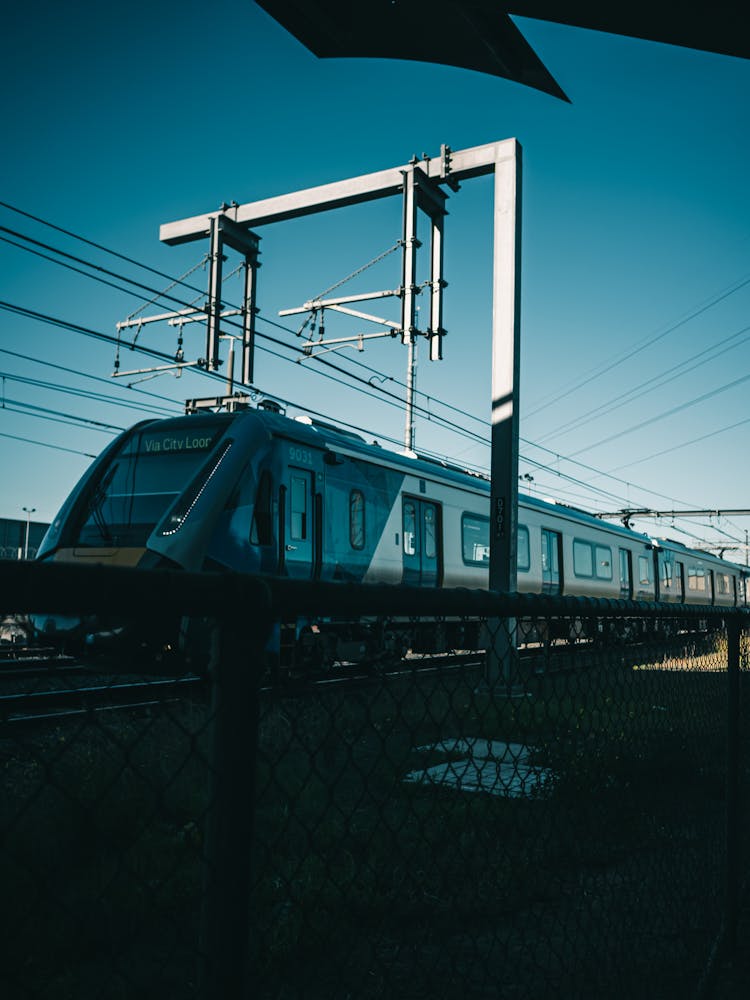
(672, 543)
(320, 433)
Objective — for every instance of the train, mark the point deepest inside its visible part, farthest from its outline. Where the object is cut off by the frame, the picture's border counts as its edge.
(255, 491)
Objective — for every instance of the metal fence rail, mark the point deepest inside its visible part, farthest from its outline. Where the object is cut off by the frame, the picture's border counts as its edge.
(561, 816)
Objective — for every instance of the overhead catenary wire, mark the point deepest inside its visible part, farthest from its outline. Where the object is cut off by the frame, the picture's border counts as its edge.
(683, 444)
(58, 416)
(648, 341)
(86, 375)
(666, 413)
(422, 411)
(108, 338)
(98, 397)
(88, 331)
(47, 444)
(657, 381)
(395, 400)
(91, 243)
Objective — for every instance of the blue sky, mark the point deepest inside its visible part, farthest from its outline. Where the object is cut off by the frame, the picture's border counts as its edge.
(636, 241)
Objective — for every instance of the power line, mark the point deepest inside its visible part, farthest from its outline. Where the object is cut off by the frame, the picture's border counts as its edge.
(666, 413)
(95, 378)
(46, 444)
(97, 246)
(366, 386)
(99, 425)
(109, 339)
(96, 267)
(677, 447)
(181, 302)
(625, 398)
(98, 397)
(642, 345)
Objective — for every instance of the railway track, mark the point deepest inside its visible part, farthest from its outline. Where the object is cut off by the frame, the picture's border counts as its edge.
(27, 707)
(20, 654)
(41, 685)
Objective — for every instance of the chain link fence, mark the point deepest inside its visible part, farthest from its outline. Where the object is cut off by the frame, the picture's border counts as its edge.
(418, 795)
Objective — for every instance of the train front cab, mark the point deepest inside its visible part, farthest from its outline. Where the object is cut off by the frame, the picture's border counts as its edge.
(149, 500)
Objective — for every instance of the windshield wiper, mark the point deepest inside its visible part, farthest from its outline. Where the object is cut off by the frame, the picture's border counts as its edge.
(97, 501)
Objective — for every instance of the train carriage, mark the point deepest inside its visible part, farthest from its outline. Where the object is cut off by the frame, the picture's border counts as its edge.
(257, 492)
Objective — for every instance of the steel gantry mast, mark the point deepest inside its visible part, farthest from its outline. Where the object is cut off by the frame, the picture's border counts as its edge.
(421, 185)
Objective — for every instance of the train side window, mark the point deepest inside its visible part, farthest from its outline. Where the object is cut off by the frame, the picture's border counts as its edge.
(298, 509)
(551, 543)
(430, 540)
(722, 583)
(475, 539)
(644, 571)
(524, 550)
(261, 529)
(583, 559)
(696, 578)
(665, 570)
(410, 528)
(626, 582)
(603, 562)
(357, 519)
(591, 560)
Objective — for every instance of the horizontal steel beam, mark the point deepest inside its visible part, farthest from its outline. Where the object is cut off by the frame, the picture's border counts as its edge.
(448, 168)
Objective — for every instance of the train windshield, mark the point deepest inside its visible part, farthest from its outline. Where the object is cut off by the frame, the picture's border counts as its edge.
(154, 466)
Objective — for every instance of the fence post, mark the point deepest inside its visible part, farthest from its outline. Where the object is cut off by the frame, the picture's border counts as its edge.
(733, 787)
(225, 919)
(501, 658)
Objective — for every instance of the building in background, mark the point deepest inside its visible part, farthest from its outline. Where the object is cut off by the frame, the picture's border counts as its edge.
(13, 537)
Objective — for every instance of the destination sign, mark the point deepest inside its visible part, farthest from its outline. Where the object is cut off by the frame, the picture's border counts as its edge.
(176, 442)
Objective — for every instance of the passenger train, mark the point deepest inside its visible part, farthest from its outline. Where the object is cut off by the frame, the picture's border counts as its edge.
(257, 492)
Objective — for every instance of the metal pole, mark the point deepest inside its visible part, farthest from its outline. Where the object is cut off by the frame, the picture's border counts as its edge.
(225, 930)
(29, 512)
(214, 296)
(408, 293)
(409, 262)
(230, 368)
(733, 876)
(248, 323)
(436, 285)
(411, 381)
(506, 305)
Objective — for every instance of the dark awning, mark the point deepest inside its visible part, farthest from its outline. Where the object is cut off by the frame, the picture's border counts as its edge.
(479, 34)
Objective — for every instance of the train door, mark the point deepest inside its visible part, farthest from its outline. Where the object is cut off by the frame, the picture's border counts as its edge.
(626, 574)
(551, 561)
(679, 573)
(299, 524)
(421, 543)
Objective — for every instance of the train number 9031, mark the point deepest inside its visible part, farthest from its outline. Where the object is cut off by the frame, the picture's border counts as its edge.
(300, 456)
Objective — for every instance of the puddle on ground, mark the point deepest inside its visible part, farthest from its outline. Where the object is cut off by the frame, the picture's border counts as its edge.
(492, 766)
